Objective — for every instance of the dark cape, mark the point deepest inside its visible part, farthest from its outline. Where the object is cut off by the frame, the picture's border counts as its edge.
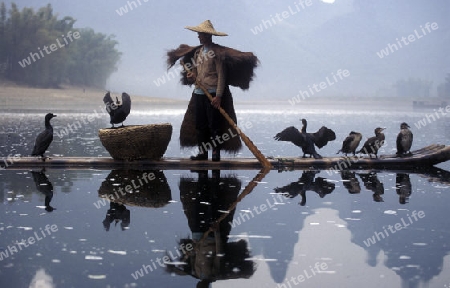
(239, 68)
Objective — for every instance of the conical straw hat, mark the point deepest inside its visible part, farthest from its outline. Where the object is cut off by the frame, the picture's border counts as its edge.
(206, 27)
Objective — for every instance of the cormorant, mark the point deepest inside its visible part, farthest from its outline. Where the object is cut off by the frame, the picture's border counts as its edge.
(299, 139)
(321, 137)
(374, 143)
(44, 139)
(118, 112)
(350, 143)
(307, 141)
(404, 140)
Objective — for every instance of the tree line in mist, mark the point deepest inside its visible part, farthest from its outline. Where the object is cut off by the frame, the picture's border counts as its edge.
(39, 49)
(421, 88)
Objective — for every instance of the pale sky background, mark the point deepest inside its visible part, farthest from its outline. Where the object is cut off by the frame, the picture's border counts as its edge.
(301, 50)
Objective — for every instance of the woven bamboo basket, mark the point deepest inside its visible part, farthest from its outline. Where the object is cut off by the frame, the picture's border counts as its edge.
(137, 141)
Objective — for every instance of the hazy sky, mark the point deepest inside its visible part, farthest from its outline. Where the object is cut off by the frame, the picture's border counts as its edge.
(300, 44)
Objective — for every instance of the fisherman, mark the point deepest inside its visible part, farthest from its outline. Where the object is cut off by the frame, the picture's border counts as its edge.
(212, 68)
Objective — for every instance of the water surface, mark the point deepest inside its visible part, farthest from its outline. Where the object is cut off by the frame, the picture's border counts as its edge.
(324, 228)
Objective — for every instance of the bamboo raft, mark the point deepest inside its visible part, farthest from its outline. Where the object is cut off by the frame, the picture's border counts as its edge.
(420, 159)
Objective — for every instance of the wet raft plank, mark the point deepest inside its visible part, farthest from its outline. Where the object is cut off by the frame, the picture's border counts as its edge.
(422, 158)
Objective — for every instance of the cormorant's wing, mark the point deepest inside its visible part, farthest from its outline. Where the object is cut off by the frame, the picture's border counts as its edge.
(126, 103)
(323, 136)
(291, 134)
(107, 99)
(43, 140)
(368, 147)
(346, 142)
(109, 102)
(291, 190)
(399, 142)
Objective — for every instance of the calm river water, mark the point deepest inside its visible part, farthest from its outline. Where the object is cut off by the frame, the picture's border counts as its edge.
(293, 229)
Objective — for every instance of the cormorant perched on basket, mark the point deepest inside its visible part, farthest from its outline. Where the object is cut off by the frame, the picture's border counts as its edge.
(44, 139)
(118, 112)
(374, 143)
(307, 141)
(350, 143)
(404, 140)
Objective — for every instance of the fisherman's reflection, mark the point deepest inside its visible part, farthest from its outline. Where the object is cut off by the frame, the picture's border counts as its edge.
(117, 213)
(133, 188)
(212, 256)
(403, 187)
(307, 182)
(372, 183)
(44, 186)
(350, 181)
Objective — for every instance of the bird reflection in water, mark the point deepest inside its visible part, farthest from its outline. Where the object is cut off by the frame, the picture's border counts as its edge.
(350, 181)
(372, 183)
(307, 182)
(403, 187)
(206, 204)
(44, 186)
(117, 213)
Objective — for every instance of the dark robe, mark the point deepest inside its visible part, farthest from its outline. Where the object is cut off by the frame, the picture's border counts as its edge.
(239, 68)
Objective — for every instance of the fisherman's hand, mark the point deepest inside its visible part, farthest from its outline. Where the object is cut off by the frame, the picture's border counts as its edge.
(190, 76)
(216, 102)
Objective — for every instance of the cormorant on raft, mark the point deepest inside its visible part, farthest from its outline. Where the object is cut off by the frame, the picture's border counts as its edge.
(350, 143)
(307, 141)
(374, 143)
(44, 139)
(321, 137)
(404, 140)
(118, 112)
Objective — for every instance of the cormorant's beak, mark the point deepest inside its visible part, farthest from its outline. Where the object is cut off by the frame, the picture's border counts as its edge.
(384, 128)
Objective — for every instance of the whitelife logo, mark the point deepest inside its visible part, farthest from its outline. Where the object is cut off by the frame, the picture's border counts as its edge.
(407, 40)
(378, 236)
(49, 49)
(18, 246)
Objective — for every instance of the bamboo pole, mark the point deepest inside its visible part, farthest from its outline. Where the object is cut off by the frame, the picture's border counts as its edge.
(251, 146)
(247, 190)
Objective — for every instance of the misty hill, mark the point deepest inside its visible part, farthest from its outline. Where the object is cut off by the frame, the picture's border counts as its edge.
(299, 51)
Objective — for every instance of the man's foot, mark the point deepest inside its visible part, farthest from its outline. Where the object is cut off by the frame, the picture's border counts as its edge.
(216, 155)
